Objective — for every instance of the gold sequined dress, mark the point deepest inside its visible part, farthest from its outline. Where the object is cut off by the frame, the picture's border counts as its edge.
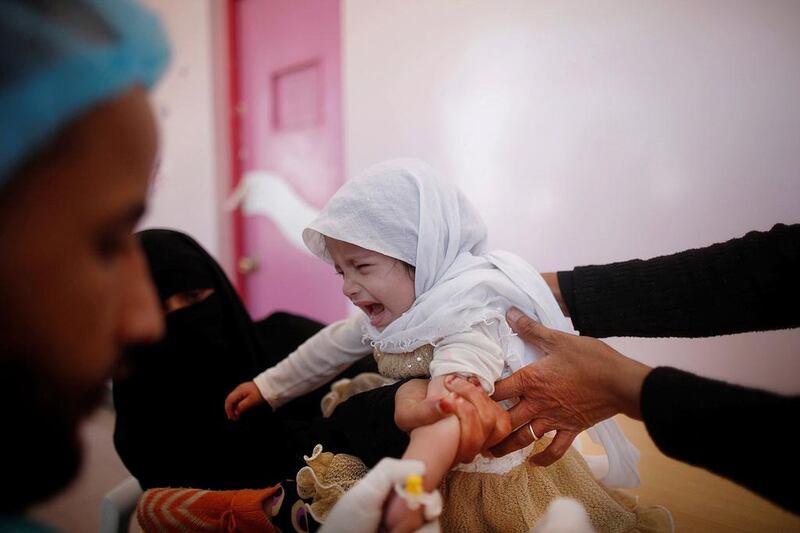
(502, 495)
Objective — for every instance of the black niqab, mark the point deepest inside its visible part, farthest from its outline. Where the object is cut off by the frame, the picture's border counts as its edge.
(171, 427)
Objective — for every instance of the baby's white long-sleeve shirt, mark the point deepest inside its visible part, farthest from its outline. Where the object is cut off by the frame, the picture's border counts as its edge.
(334, 348)
(475, 352)
(323, 356)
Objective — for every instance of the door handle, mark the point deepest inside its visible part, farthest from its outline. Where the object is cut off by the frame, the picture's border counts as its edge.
(247, 265)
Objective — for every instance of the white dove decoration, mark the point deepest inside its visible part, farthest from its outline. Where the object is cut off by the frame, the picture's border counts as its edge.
(261, 192)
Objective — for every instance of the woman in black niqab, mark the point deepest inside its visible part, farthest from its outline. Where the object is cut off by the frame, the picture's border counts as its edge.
(171, 427)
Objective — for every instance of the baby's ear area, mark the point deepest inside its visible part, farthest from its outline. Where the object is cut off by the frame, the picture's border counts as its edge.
(411, 270)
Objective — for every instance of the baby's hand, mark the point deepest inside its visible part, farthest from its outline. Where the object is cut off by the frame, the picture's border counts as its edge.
(241, 399)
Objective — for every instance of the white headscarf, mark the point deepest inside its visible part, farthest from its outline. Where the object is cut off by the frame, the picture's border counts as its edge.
(403, 209)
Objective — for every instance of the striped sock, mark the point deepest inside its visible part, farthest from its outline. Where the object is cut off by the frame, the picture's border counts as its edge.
(195, 510)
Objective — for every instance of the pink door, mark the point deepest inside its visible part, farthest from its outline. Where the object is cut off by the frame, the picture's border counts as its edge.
(290, 125)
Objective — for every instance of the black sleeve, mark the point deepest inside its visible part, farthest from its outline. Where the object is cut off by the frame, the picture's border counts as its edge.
(747, 284)
(739, 433)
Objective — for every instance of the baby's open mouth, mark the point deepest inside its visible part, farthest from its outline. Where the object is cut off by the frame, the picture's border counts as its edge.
(373, 310)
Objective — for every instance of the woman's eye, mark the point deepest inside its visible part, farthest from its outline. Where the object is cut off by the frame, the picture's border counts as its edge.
(362, 266)
(186, 299)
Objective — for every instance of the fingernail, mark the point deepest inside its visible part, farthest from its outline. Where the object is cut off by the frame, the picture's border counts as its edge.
(444, 407)
(513, 314)
(449, 379)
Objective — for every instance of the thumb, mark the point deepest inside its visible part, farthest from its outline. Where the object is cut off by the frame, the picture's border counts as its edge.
(511, 387)
(528, 329)
(427, 412)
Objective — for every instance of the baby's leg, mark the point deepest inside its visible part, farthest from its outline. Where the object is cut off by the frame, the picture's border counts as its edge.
(436, 445)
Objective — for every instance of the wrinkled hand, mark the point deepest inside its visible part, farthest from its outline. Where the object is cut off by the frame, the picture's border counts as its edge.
(242, 398)
(483, 422)
(580, 382)
(361, 508)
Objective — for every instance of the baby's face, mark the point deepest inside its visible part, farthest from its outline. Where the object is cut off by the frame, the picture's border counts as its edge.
(381, 286)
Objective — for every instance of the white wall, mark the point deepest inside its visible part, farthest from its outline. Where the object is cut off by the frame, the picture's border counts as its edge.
(589, 132)
(189, 103)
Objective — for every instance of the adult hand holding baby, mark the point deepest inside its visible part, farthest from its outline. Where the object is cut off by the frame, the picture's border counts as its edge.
(580, 382)
(243, 397)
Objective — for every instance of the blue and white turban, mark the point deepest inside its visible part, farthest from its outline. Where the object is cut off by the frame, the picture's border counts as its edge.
(59, 58)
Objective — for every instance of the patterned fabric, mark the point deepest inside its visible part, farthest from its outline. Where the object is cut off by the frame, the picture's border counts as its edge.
(194, 510)
(510, 502)
(415, 364)
(326, 478)
(528, 491)
(345, 388)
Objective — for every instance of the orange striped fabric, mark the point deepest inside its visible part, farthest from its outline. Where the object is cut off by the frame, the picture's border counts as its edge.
(196, 511)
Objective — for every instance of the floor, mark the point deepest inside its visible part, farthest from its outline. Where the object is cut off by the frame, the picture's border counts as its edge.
(699, 501)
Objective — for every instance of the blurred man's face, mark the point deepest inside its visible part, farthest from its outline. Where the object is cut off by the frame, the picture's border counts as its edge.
(74, 288)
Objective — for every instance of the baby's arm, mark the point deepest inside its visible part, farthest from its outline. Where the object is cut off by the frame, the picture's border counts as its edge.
(436, 446)
(475, 353)
(313, 363)
(445, 433)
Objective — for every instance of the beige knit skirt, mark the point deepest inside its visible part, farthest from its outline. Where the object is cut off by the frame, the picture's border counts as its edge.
(516, 500)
